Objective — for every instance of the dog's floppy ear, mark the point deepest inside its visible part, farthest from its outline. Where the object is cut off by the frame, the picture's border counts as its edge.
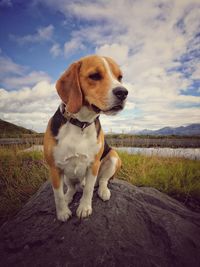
(68, 88)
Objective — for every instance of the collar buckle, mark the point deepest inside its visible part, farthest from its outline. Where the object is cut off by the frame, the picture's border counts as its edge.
(84, 126)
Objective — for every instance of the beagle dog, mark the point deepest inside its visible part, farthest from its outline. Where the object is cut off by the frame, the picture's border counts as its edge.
(74, 145)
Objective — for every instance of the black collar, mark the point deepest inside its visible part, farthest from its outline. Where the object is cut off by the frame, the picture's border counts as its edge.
(74, 121)
(80, 124)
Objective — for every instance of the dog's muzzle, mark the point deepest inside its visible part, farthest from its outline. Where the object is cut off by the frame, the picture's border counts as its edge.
(120, 94)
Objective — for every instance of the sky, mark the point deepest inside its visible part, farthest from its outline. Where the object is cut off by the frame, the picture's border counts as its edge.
(155, 42)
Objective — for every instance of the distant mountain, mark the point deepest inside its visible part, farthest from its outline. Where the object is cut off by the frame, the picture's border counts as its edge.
(190, 130)
(8, 129)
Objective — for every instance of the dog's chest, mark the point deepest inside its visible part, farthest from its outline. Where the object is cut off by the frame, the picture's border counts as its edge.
(76, 150)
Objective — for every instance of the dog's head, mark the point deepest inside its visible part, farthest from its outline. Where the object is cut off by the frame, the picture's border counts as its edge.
(93, 81)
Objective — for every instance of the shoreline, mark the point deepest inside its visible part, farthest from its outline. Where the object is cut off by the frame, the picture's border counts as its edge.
(146, 142)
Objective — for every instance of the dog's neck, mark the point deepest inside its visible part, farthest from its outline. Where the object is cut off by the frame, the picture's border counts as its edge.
(85, 114)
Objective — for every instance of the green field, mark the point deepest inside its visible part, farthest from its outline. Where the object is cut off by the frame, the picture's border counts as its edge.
(22, 173)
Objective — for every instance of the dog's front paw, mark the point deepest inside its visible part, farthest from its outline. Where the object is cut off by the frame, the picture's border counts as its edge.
(104, 193)
(84, 210)
(64, 214)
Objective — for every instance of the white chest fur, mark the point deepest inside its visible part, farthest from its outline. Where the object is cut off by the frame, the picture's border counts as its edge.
(76, 150)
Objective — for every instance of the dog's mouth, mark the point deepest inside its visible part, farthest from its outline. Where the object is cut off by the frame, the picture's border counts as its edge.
(116, 108)
(95, 108)
(112, 109)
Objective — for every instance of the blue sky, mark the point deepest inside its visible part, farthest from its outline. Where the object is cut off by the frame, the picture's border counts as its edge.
(156, 43)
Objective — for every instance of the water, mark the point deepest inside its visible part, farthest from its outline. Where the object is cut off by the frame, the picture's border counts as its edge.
(189, 153)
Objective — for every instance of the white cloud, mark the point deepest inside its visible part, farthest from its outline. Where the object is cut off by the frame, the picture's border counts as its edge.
(196, 72)
(116, 51)
(42, 34)
(30, 79)
(56, 50)
(7, 65)
(29, 107)
(73, 46)
(13, 75)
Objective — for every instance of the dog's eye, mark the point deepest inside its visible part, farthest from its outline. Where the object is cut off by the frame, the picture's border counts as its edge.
(120, 78)
(95, 76)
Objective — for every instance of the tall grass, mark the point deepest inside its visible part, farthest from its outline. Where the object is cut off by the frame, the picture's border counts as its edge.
(22, 173)
(177, 177)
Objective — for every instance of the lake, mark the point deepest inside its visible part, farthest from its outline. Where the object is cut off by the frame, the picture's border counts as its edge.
(189, 153)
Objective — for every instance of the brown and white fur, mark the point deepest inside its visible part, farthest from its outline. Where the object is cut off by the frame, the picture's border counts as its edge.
(81, 156)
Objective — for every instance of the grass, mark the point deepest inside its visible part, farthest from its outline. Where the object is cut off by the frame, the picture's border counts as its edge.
(22, 173)
(176, 177)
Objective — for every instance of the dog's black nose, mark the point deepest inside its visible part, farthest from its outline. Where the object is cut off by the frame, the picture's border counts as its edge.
(120, 92)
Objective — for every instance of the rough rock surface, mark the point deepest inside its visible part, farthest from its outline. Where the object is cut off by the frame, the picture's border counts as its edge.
(137, 227)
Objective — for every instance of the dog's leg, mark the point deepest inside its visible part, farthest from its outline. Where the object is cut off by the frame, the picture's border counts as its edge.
(109, 166)
(71, 190)
(62, 210)
(85, 206)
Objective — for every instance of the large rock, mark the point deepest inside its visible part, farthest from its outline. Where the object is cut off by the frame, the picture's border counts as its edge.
(137, 227)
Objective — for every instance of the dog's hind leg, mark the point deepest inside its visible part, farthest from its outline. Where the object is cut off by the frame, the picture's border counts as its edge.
(109, 166)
